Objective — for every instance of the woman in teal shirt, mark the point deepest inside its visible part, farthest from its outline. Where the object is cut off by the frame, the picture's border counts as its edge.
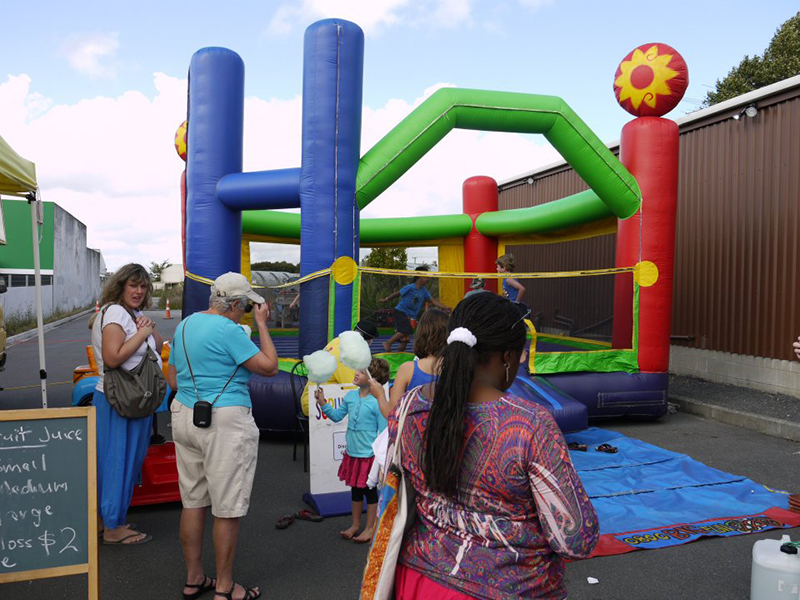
(212, 359)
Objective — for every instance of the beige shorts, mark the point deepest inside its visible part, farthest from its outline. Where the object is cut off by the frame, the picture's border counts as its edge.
(216, 465)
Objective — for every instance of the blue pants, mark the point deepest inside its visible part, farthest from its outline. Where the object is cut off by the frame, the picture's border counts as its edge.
(121, 448)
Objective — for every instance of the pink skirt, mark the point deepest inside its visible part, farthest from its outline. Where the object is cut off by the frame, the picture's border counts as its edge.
(413, 585)
(354, 471)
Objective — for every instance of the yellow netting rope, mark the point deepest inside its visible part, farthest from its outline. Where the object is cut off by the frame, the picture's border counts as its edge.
(438, 274)
(475, 275)
(308, 277)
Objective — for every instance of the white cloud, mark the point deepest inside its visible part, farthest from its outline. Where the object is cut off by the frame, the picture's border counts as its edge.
(92, 54)
(108, 161)
(535, 4)
(111, 161)
(371, 15)
(450, 13)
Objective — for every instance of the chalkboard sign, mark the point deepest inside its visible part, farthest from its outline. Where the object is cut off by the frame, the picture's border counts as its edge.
(48, 494)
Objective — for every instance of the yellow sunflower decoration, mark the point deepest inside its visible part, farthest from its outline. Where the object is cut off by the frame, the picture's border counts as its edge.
(180, 140)
(651, 80)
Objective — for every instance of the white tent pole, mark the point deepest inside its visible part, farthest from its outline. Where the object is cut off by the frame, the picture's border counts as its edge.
(38, 280)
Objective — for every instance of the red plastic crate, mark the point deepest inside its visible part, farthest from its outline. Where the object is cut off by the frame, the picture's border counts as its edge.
(159, 477)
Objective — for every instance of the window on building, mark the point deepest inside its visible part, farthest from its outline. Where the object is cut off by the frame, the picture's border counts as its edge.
(47, 280)
(19, 280)
(31, 280)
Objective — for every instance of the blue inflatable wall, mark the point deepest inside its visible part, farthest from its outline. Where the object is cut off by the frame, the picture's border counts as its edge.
(214, 140)
(331, 149)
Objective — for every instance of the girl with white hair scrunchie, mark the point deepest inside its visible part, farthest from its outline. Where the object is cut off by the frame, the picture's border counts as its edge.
(482, 460)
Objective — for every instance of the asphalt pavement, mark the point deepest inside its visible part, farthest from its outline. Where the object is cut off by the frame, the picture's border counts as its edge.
(310, 561)
(65, 349)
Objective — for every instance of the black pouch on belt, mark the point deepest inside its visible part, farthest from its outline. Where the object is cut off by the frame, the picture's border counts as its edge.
(201, 415)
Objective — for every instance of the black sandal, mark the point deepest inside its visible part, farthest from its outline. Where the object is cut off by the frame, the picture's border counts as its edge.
(249, 593)
(201, 588)
(607, 448)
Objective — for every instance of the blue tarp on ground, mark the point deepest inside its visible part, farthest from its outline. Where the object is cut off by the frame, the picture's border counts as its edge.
(648, 497)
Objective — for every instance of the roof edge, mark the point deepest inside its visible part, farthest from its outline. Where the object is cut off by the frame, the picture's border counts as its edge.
(704, 113)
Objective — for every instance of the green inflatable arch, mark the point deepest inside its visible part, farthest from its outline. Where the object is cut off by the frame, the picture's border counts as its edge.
(613, 190)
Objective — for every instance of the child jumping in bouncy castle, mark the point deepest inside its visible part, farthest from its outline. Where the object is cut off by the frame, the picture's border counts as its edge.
(412, 299)
(364, 423)
(512, 289)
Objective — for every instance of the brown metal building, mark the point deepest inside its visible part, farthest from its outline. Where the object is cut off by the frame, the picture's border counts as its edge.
(736, 262)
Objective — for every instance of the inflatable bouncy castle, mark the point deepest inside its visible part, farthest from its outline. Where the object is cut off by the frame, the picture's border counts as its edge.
(224, 209)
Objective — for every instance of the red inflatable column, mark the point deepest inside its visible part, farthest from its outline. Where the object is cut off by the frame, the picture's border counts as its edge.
(480, 252)
(183, 218)
(649, 150)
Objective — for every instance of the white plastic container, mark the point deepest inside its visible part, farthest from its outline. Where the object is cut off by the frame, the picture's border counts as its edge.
(775, 575)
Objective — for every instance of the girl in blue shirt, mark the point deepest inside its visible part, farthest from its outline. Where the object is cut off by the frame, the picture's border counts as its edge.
(364, 423)
(512, 289)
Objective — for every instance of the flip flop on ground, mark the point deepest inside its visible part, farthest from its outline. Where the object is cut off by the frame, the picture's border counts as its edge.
(284, 522)
(308, 515)
(122, 542)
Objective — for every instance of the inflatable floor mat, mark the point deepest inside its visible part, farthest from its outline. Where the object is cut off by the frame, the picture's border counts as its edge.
(647, 497)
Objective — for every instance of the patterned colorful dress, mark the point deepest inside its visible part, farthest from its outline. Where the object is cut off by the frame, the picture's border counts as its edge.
(520, 506)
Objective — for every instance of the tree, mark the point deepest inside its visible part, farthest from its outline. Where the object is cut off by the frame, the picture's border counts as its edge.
(281, 265)
(780, 60)
(374, 287)
(386, 258)
(157, 269)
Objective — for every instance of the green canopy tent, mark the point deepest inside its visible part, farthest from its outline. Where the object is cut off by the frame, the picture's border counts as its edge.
(18, 178)
(17, 175)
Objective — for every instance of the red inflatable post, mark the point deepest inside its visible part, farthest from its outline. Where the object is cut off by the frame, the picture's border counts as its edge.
(480, 252)
(649, 150)
(183, 218)
(649, 82)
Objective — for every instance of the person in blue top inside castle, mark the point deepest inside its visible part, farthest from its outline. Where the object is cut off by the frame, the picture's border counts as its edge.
(512, 289)
(364, 423)
(412, 299)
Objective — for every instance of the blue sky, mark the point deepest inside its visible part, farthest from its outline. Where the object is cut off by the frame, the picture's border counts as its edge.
(76, 74)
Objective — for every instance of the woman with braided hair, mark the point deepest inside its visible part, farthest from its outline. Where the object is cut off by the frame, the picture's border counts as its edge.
(498, 503)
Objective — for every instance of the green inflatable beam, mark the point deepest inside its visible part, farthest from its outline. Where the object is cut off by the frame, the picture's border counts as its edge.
(451, 108)
(286, 225)
(273, 223)
(578, 209)
(414, 229)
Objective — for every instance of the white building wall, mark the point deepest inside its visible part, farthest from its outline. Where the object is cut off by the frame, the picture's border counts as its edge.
(75, 276)
(172, 274)
(76, 268)
(20, 302)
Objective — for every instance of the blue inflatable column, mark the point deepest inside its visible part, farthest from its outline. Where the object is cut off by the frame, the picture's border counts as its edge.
(214, 140)
(333, 71)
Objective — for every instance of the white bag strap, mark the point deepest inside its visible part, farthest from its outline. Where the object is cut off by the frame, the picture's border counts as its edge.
(407, 399)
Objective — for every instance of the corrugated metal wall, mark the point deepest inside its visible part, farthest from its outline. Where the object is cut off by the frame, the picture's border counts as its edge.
(736, 284)
(587, 300)
(736, 267)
